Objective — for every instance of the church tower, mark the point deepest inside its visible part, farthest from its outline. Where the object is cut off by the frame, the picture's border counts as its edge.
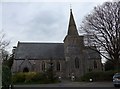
(73, 49)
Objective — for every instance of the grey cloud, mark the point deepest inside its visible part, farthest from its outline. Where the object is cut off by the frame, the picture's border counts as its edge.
(47, 25)
(40, 21)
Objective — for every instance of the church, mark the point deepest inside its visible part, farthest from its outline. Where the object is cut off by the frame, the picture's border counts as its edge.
(69, 58)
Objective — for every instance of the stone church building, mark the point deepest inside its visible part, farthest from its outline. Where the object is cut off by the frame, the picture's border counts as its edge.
(69, 58)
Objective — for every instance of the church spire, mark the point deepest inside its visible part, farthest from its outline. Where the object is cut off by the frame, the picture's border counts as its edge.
(72, 29)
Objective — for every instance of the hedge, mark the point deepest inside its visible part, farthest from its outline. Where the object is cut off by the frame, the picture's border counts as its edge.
(6, 76)
(98, 76)
(30, 77)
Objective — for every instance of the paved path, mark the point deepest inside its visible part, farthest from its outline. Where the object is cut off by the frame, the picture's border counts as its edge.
(71, 84)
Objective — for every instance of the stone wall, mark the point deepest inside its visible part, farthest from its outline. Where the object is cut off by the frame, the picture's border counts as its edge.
(36, 66)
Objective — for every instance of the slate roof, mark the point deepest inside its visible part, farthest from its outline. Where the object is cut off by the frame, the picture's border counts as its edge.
(28, 50)
(91, 54)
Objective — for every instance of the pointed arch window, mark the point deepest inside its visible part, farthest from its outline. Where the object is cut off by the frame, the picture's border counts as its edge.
(95, 64)
(43, 66)
(76, 63)
(58, 66)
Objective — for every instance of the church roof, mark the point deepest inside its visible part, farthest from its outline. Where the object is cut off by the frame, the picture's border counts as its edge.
(91, 54)
(26, 50)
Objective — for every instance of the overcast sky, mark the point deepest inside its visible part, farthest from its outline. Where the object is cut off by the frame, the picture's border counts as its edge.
(40, 21)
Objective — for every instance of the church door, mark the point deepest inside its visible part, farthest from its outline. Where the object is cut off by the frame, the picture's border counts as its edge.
(25, 69)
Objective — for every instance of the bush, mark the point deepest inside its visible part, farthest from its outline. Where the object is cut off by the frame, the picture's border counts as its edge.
(39, 78)
(31, 77)
(18, 78)
(98, 76)
(6, 76)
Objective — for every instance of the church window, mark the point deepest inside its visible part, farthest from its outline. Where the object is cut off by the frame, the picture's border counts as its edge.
(58, 66)
(76, 63)
(43, 66)
(95, 64)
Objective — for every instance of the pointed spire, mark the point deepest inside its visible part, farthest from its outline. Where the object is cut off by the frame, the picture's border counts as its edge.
(72, 30)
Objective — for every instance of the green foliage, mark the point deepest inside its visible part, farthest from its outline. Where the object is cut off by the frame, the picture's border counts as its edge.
(47, 76)
(98, 76)
(109, 66)
(6, 76)
(10, 61)
(50, 73)
(31, 77)
(18, 78)
(6, 71)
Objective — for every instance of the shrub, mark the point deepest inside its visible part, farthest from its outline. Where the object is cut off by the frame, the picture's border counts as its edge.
(18, 78)
(29, 76)
(32, 77)
(39, 78)
(6, 76)
(98, 76)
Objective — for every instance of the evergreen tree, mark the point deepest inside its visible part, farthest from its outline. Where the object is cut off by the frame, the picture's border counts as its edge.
(50, 73)
(6, 71)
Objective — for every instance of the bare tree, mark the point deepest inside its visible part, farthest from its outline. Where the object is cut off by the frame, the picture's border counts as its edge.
(3, 44)
(103, 30)
(6, 62)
